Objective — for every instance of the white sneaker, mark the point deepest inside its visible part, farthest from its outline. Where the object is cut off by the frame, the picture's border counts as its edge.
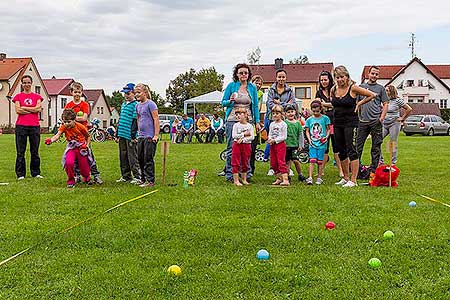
(350, 184)
(136, 181)
(270, 173)
(39, 176)
(309, 181)
(341, 182)
(121, 179)
(291, 173)
(21, 178)
(319, 181)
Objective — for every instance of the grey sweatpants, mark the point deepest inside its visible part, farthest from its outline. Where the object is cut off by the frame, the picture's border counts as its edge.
(393, 130)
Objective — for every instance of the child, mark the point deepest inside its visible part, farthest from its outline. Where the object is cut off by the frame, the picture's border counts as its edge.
(78, 139)
(276, 140)
(174, 130)
(148, 133)
(81, 109)
(126, 137)
(317, 132)
(243, 135)
(294, 140)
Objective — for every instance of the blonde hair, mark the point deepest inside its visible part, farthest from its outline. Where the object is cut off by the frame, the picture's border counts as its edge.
(277, 108)
(145, 88)
(341, 71)
(257, 77)
(391, 92)
(240, 110)
(76, 86)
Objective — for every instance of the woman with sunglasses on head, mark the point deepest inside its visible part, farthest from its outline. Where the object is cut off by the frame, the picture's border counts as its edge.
(240, 93)
(279, 94)
(324, 95)
(343, 99)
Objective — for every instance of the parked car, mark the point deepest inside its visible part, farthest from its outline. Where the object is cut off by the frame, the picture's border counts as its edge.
(166, 120)
(426, 125)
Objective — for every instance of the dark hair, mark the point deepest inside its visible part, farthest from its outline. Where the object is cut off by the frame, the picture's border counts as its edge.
(279, 71)
(239, 66)
(68, 115)
(316, 103)
(26, 76)
(330, 79)
(290, 107)
(215, 115)
(374, 67)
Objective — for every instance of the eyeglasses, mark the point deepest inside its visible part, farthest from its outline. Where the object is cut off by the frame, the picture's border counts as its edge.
(243, 73)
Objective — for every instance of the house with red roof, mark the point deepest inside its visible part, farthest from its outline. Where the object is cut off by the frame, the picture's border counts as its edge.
(99, 106)
(11, 72)
(302, 78)
(417, 83)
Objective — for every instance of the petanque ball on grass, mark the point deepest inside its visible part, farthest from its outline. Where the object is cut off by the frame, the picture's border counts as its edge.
(262, 255)
(174, 270)
(330, 225)
(374, 263)
(388, 235)
(412, 204)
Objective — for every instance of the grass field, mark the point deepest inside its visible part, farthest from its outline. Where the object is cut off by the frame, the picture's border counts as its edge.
(214, 230)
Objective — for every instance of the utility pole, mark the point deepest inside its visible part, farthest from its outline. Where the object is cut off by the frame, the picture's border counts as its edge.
(412, 44)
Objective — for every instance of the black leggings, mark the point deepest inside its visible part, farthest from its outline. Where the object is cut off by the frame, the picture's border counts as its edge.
(332, 141)
(345, 138)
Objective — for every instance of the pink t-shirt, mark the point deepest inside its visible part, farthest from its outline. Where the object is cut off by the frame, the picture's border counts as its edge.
(29, 100)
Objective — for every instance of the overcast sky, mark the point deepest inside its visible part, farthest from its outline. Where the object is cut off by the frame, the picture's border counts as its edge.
(107, 43)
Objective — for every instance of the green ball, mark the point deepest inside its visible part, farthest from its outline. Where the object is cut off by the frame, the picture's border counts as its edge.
(374, 263)
(388, 235)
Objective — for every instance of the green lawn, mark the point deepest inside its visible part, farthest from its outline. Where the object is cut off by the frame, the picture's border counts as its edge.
(214, 230)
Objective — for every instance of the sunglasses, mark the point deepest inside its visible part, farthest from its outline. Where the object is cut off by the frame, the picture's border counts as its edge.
(243, 73)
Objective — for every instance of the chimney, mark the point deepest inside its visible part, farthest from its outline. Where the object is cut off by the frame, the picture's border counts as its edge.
(53, 77)
(278, 63)
(2, 56)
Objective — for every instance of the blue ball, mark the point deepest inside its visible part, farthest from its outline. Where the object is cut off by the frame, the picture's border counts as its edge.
(412, 204)
(263, 254)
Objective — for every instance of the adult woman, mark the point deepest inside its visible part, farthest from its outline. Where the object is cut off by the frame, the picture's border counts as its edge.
(279, 93)
(343, 95)
(239, 93)
(28, 105)
(323, 94)
(216, 129)
(392, 121)
(257, 80)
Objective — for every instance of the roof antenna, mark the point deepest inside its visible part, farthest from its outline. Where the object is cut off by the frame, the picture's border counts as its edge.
(412, 44)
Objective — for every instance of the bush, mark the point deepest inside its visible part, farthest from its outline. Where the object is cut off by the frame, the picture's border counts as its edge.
(445, 114)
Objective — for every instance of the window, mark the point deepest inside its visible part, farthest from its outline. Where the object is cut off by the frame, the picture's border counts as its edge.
(426, 119)
(443, 103)
(63, 102)
(400, 86)
(419, 100)
(98, 110)
(101, 109)
(439, 119)
(409, 83)
(303, 92)
(410, 100)
(432, 101)
(105, 123)
(420, 82)
(430, 86)
(433, 119)
(37, 89)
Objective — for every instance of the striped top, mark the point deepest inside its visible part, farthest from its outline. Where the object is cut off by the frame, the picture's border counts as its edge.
(127, 116)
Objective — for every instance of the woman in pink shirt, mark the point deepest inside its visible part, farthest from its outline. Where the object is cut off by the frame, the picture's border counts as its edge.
(27, 105)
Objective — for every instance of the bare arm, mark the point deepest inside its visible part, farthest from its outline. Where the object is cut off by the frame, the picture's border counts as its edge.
(33, 109)
(384, 111)
(408, 110)
(155, 117)
(19, 109)
(56, 136)
(359, 91)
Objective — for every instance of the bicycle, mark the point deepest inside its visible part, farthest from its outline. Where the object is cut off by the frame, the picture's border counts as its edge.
(97, 134)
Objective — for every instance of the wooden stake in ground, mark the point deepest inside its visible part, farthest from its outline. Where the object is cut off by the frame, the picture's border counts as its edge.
(390, 147)
(164, 151)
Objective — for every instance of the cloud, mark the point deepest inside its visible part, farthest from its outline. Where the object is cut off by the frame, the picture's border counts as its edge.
(105, 44)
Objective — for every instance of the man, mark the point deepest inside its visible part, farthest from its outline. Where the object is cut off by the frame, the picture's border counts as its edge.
(187, 128)
(371, 116)
(203, 128)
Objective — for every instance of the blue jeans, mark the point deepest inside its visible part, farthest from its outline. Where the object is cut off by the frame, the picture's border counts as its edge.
(267, 149)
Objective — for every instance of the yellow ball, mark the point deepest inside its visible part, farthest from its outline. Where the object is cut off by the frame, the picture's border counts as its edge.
(174, 270)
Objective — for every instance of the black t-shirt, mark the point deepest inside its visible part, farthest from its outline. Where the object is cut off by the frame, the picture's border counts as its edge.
(344, 110)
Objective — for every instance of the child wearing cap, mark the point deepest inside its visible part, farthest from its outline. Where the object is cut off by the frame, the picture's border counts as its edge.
(126, 137)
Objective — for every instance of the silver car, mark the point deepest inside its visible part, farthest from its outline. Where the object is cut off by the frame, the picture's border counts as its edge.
(426, 125)
(165, 121)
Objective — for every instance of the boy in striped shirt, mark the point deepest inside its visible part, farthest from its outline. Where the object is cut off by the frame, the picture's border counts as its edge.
(126, 137)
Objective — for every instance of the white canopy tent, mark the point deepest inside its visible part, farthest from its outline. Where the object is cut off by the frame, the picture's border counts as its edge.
(209, 98)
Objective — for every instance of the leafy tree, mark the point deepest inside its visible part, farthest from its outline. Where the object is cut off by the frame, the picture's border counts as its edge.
(191, 84)
(115, 100)
(302, 59)
(254, 56)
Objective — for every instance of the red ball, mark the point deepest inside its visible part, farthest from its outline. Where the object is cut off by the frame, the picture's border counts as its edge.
(330, 225)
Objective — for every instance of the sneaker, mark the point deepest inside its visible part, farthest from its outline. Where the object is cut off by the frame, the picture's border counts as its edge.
(221, 173)
(89, 182)
(350, 184)
(319, 181)
(98, 180)
(136, 181)
(21, 178)
(39, 176)
(309, 181)
(341, 182)
(77, 179)
(270, 173)
(121, 179)
(70, 186)
(291, 173)
(301, 177)
(147, 184)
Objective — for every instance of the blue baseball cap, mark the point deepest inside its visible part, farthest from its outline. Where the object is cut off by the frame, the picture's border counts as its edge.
(128, 88)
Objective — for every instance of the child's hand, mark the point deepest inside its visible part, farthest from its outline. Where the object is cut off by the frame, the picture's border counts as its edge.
(48, 141)
(247, 133)
(239, 141)
(323, 140)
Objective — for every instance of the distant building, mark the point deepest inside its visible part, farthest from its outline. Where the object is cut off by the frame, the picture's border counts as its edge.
(11, 72)
(114, 116)
(99, 106)
(59, 92)
(302, 78)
